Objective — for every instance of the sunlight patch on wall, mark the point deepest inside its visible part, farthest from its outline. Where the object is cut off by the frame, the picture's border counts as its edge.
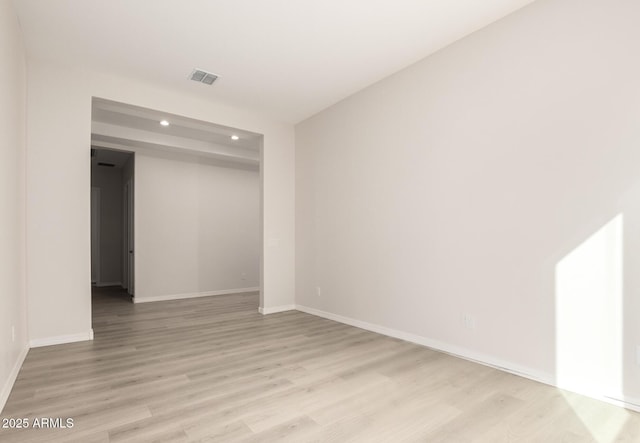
(589, 321)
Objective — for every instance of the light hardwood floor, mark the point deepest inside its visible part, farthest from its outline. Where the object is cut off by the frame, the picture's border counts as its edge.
(213, 369)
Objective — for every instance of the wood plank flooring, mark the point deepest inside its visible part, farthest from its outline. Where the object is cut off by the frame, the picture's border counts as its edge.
(213, 369)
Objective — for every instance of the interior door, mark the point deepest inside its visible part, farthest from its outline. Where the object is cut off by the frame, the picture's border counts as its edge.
(130, 233)
(95, 235)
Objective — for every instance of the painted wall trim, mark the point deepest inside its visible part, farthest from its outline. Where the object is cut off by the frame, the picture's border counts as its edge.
(61, 339)
(13, 375)
(192, 295)
(466, 354)
(276, 309)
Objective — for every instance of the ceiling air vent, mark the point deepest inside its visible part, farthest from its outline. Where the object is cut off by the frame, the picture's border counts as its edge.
(198, 75)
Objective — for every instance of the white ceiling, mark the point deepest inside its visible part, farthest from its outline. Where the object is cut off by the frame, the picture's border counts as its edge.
(116, 158)
(288, 58)
(131, 128)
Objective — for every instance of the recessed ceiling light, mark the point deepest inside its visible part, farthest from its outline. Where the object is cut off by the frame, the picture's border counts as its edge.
(235, 137)
(164, 123)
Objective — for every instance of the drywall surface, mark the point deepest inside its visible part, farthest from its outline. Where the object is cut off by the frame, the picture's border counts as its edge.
(198, 227)
(58, 179)
(13, 316)
(442, 201)
(109, 181)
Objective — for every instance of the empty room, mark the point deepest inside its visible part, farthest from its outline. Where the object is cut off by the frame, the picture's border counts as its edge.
(304, 221)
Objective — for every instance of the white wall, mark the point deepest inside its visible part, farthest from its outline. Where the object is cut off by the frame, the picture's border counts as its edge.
(198, 227)
(12, 199)
(58, 203)
(457, 185)
(109, 181)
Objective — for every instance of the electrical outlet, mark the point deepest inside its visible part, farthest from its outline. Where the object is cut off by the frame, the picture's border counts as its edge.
(243, 276)
(13, 334)
(468, 321)
(318, 291)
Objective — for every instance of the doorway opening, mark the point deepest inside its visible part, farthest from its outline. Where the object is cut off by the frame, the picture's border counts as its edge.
(198, 204)
(112, 220)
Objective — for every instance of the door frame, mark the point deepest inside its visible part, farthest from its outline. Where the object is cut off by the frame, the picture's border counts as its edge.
(95, 234)
(129, 221)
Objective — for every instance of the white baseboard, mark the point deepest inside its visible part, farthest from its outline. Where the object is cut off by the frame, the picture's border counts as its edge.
(13, 375)
(103, 284)
(61, 339)
(192, 295)
(276, 309)
(437, 345)
(626, 402)
(476, 357)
